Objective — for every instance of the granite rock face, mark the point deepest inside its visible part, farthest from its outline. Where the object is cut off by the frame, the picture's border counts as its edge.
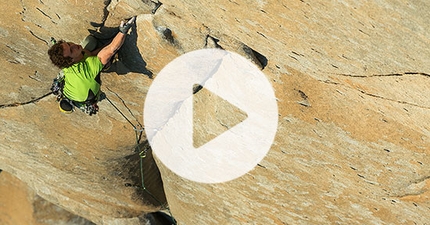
(20, 205)
(352, 80)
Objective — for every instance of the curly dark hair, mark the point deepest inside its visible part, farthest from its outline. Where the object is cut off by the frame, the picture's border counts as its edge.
(56, 55)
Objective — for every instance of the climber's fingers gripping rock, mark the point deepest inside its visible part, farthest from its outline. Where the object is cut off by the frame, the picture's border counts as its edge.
(124, 27)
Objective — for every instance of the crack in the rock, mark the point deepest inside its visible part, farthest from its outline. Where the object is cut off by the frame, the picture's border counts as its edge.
(382, 75)
(233, 2)
(417, 73)
(126, 106)
(298, 54)
(39, 38)
(293, 57)
(385, 75)
(13, 61)
(11, 48)
(261, 34)
(393, 100)
(15, 104)
(43, 13)
(303, 95)
(363, 32)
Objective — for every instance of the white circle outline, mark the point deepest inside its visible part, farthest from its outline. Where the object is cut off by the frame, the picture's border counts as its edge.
(168, 113)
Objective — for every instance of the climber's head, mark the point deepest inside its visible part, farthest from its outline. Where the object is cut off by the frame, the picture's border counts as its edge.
(64, 54)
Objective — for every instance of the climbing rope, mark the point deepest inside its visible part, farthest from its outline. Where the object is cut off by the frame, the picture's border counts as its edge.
(138, 130)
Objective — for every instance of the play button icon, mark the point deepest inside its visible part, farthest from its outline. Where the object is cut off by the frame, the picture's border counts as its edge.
(169, 116)
(212, 116)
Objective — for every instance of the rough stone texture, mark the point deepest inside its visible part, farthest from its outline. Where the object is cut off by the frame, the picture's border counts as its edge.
(20, 205)
(351, 79)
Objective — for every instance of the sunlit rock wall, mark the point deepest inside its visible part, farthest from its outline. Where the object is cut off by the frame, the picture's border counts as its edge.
(351, 79)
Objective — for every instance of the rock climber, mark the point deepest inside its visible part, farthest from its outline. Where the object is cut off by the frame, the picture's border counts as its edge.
(81, 68)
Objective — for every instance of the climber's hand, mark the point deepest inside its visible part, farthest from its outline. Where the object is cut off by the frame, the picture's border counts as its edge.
(124, 27)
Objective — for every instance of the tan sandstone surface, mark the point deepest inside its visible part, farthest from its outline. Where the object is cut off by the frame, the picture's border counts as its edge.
(352, 82)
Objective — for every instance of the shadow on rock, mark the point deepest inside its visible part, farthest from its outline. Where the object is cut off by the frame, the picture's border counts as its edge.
(159, 218)
(142, 173)
(128, 58)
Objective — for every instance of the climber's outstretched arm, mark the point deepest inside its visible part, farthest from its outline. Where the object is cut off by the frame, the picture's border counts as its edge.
(107, 52)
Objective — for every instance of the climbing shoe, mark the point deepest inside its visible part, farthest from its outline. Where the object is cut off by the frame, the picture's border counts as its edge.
(65, 106)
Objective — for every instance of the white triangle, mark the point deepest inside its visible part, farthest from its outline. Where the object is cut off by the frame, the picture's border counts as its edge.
(212, 116)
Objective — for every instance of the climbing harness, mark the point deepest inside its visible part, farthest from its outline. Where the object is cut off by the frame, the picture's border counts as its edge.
(68, 106)
(57, 85)
(138, 131)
